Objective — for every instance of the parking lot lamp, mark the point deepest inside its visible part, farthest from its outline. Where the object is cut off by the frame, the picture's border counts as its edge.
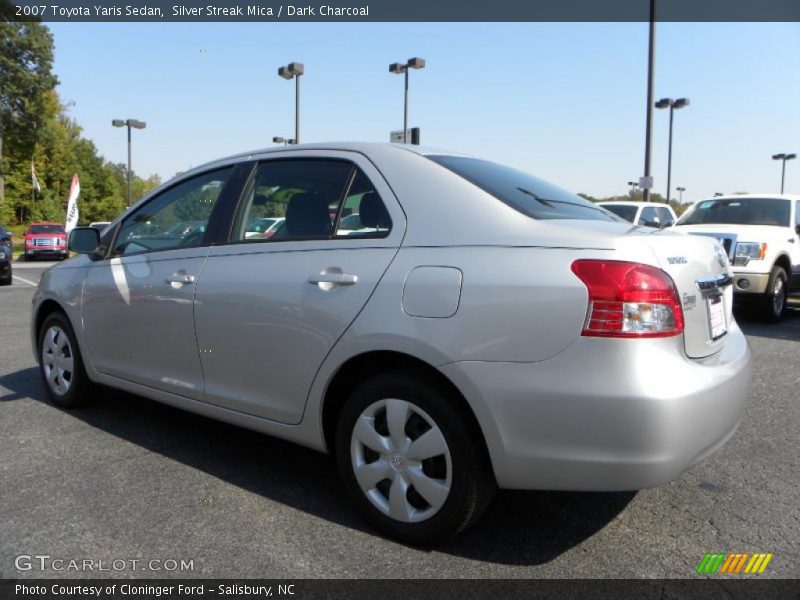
(294, 70)
(672, 105)
(633, 185)
(680, 193)
(398, 68)
(129, 123)
(783, 157)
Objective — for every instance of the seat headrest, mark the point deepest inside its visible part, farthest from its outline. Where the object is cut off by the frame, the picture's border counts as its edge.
(307, 216)
(372, 212)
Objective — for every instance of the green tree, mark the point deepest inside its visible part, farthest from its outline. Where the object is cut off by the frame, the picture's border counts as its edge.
(26, 61)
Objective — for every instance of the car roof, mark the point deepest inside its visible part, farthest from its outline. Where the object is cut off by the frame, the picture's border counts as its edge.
(46, 223)
(632, 203)
(753, 196)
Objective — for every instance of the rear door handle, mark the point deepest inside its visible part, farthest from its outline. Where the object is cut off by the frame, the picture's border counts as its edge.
(334, 279)
(178, 279)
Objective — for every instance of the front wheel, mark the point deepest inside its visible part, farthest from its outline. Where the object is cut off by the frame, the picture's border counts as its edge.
(409, 460)
(60, 364)
(774, 300)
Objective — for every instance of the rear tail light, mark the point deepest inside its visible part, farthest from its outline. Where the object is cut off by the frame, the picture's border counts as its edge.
(629, 299)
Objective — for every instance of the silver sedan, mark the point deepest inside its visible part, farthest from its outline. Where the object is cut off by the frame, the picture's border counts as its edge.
(479, 328)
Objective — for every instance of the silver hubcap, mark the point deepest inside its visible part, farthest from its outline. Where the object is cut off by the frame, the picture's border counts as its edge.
(777, 296)
(401, 460)
(57, 360)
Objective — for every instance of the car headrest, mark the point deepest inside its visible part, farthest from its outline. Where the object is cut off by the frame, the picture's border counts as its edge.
(307, 216)
(372, 212)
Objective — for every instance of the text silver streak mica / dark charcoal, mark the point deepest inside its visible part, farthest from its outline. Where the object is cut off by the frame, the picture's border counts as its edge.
(442, 324)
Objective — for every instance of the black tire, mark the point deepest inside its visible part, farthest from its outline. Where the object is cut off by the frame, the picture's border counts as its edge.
(773, 304)
(472, 483)
(79, 389)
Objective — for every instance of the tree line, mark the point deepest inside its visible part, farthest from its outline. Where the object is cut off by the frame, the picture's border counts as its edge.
(36, 128)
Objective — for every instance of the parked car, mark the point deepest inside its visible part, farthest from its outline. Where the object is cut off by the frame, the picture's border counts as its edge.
(6, 268)
(435, 352)
(46, 240)
(648, 214)
(100, 225)
(263, 228)
(761, 235)
(6, 237)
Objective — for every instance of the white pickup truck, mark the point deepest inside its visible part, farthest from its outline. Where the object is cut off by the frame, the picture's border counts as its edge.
(761, 234)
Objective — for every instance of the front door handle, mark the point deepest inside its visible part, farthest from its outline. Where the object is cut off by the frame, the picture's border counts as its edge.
(333, 279)
(179, 278)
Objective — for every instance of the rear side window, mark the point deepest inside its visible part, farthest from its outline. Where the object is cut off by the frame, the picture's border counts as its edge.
(529, 195)
(623, 210)
(309, 199)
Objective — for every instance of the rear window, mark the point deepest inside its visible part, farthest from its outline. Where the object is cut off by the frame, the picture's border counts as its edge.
(46, 229)
(528, 194)
(622, 210)
(739, 211)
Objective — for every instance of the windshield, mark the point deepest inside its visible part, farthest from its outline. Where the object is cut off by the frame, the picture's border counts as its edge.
(527, 194)
(739, 211)
(46, 229)
(623, 210)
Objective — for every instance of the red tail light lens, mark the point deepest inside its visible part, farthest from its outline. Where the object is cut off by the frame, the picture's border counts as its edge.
(629, 299)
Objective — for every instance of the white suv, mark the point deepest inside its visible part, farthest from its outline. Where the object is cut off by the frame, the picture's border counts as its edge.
(761, 234)
(649, 214)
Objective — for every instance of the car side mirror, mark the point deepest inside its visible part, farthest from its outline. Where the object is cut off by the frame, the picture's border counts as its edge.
(84, 240)
(797, 229)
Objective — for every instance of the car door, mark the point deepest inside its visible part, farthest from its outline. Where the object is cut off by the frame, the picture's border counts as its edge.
(137, 304)
(269, 309)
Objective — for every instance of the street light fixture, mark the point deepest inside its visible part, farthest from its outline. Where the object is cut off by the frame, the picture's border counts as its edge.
(398, 68)
(672, 105)
(135, 124)
(284, 141)
(783, 157)
(294, 70)
(680, 193)
(633, 185)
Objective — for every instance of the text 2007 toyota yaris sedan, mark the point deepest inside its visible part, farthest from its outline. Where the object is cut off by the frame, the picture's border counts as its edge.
(442, 324)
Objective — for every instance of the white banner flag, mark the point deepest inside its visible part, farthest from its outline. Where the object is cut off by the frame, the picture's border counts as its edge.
(72, 204)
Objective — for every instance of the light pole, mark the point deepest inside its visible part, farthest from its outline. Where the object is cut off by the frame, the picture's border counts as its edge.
(680, 193)
(284, 141)
(411, 63)
(129, 123)
(633, 185)
(783, 157)
(647, 180)
(295, 70)
(672, 105)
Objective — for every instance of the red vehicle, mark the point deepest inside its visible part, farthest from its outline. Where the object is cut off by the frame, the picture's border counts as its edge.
(47, 240)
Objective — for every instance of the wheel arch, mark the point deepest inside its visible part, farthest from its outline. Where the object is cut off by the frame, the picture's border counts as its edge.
(785, 263)
(360, 367)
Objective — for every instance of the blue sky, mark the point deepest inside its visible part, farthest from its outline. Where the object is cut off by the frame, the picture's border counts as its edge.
(565, 101)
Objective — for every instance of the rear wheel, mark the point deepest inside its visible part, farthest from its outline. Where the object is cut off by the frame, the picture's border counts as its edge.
(410, 461)
(60, 363)
(774, 300)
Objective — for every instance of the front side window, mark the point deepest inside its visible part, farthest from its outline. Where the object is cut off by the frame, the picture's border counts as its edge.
(176, 218)
(529, 195)
(797, 213)
(739, 211)
(649, 217)
(309, 199)
(666, 217)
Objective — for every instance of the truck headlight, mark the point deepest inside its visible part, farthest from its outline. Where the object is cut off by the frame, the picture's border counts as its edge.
(747, 251)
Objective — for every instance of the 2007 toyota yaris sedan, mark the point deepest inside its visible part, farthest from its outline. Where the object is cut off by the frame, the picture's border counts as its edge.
(473, 327)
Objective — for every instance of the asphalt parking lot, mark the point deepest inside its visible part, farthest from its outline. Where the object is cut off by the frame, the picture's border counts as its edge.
(127, 478)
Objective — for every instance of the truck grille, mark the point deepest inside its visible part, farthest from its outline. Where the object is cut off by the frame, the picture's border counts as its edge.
(44, 241)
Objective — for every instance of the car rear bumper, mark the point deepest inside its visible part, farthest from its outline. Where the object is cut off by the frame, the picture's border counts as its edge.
(606, 414)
